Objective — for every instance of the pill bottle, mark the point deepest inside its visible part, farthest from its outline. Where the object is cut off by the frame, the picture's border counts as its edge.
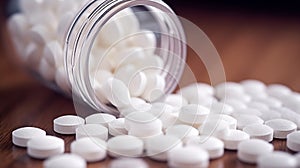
(55, 41)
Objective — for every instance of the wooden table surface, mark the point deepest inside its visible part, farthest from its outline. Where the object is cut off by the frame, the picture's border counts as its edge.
(258, 46)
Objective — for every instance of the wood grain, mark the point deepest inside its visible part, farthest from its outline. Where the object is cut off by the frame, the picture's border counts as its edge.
(258, 46)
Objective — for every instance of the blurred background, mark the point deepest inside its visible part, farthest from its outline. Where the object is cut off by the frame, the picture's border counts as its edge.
(257, 40)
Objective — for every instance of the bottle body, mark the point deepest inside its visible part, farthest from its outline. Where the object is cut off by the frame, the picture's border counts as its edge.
(77, 47)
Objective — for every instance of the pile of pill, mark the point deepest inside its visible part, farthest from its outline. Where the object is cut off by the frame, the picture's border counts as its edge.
(123, 63)
(180, 130)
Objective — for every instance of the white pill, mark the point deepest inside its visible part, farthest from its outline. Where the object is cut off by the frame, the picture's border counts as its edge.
(270, 101)
(269, 115)
(40, 34)
(293, 141)
(45, 146)
(53, 54)
(100, 118)
(124, 111)
(91, 149)
(116, 92)
(184, 132)
(62, 80)
(117, 127)
(155, 87)
(230, 120)
(292, 101)
(289, 114)
(111, 33)
(127, 56)
(189, 156)
(46, 70)
(32, 56)
(214, 146)
(164, 112)
(225, 89)
(18, 27)
(143, 125)
(92, 130)
(220, 108)
(144, 39)
(250, 150)
(67, 124)
(248, 111)
(135, 80)
(253, 87)
(193, 114)
(281, 127)
(259, 131)
(203, 100)
(176, 100)
(258, 106)
(128, 163)
(247, 119)
(157, 148)
(128, 21)
(278, 90)
(21, 136)
(152, 64)
(194, 91)
(100, 76)
(214, 127)
(65, 161)
(277, 159)
(233, 138)
(239, 96)
(235, 104)
(125, 146)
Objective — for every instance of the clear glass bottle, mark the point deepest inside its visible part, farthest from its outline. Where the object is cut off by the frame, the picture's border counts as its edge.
(79, 35)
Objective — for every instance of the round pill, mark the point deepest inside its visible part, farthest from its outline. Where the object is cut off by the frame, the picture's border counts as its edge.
(117, 127)
(293, 141)
(128, 163)
(176, 100)
(45, 146)
(198, 89)
(233, 138)
(247, 119)
(193, 114)
(143, 124)
(230, 120)
(158, 147)
(189, 156)
(92, 130)
(276, 159)
(248, 111)
(21, 136)
(125, 146)
(67, 124)
(184, 132)
(214, 127)
(65, 161)
(281, 127)
(220, 108)
(278, 90)
(91, 149)
(228, 88)
(214, 146)
(259, 131)
(270, 101)
(100, 118)
(258, 106)
(253, 87)
(235, 104)
(250, 150)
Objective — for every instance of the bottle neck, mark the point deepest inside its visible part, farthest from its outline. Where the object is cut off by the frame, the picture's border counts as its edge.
(91, 19)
